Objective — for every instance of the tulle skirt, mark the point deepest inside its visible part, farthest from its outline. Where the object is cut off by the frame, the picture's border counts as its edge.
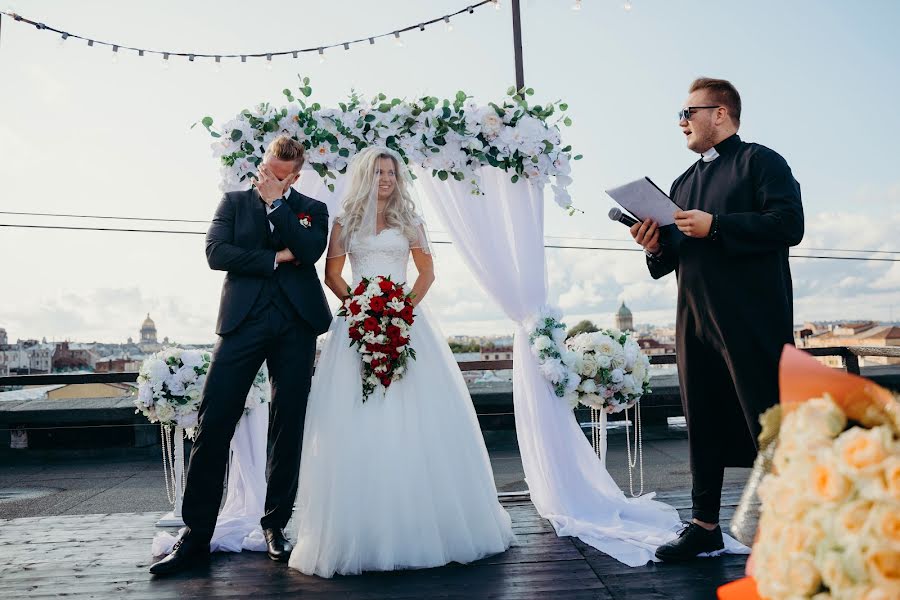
(402, 481)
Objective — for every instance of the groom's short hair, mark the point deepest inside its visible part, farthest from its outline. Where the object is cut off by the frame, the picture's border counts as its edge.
(284, 147)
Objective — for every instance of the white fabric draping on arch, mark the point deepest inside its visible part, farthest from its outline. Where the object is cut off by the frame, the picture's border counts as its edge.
(500, 236)
(237, 527)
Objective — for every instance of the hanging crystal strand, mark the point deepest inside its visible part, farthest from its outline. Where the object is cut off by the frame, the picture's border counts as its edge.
(168, 463)
(594, 437)
(638, 450)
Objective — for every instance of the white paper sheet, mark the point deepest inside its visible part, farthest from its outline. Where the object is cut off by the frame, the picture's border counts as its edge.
(645, 200)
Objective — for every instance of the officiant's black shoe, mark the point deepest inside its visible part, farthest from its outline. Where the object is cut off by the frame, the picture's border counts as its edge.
(187, 553)
(278, 546)
(692, 541)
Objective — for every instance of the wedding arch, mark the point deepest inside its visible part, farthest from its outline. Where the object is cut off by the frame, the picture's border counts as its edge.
(485, 169)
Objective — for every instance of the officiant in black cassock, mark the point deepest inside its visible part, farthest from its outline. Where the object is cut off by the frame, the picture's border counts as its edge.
(740, 212)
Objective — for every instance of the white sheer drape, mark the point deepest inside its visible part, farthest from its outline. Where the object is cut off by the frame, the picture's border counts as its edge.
(237, 527)
(501, 238)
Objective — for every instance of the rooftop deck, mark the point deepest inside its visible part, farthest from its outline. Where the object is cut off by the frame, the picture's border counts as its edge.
(106, 556)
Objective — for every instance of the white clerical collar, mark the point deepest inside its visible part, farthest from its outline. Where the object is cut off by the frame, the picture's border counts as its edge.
(710, 155)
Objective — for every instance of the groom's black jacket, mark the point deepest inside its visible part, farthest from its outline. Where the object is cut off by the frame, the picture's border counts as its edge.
(239, 241)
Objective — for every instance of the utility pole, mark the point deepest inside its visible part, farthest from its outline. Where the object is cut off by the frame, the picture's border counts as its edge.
(517, 44)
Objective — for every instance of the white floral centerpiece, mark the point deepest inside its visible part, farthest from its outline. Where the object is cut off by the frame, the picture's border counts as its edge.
(614, 372)
(547, 336)
(451, 138)
(169, 386)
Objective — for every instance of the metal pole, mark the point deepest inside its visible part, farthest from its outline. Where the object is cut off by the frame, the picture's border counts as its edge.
(517, 44)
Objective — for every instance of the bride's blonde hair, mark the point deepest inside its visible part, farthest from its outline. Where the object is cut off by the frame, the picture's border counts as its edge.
(400, 210)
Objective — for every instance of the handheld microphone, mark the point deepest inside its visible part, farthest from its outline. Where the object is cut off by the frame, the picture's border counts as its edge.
(617, 215)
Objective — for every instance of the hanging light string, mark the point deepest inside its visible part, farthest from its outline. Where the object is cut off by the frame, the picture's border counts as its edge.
(268, 55)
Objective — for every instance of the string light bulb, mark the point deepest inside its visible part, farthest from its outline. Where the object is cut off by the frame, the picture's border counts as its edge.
(115, 54)
(165, 62)
(448, 24)
(496, 6)
(577, 5)
(268, 62)
(218, 66)
(397, 39)
(321, 55)
(627, 6)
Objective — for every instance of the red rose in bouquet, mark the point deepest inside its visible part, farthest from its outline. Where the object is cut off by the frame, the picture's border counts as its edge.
(380, 314)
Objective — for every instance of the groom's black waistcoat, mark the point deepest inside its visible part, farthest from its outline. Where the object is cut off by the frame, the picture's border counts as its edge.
(240, 241)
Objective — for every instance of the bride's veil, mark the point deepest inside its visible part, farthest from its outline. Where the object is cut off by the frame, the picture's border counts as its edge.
(359, 208)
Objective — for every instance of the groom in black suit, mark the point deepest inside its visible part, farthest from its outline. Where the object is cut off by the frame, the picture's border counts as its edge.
(272, 308)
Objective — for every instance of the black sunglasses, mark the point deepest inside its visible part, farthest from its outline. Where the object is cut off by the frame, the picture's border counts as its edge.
(685, 114)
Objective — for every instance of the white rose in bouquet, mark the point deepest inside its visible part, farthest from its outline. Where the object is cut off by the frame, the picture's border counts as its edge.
(553, 370)
(589, 365)
(165, 412)
(542, 342)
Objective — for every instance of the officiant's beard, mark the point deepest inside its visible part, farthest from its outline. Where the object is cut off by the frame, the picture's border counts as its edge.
(702, 138)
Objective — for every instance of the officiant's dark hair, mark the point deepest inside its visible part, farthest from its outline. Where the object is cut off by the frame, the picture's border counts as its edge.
(723, 92)
(285, 147)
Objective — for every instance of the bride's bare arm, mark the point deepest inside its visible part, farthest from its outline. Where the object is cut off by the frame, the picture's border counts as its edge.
(425, 267)
(334, 265)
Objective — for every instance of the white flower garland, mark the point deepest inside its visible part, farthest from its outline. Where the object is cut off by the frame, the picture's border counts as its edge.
(450, 137)
(556, 362)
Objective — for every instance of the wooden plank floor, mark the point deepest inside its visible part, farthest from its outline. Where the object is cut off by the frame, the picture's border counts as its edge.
(106, 557)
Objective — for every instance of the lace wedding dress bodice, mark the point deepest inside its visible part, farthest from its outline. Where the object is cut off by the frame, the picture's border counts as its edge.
(385, 254)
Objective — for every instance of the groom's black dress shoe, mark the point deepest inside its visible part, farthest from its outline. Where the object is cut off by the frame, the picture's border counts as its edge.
(278, 547)
(692, 541)
(188, 552)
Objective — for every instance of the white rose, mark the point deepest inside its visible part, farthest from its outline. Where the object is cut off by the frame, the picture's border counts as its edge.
(588, 366)
(618, 359)
(553, 370)
(617, 376)
(629, 385)
(165, 412)
(569, 358)
(592, 401)
(542, 343)
(604, 362)
(191, 358)
(176, 388)
(491, 123)
(588, 386)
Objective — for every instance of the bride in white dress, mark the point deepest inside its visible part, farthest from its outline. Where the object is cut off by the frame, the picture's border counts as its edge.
(403, 480)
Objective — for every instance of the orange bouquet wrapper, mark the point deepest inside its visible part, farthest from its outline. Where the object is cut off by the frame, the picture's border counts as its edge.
(800, 378)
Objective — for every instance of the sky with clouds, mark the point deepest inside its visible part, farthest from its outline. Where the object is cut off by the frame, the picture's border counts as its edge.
(82, 134)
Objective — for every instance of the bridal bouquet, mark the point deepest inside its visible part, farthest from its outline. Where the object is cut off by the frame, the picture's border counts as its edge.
(830, 516)
(169, 386)
(614, 372)
(380, 315)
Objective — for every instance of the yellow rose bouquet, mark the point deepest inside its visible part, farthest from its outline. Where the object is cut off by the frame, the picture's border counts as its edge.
(829, 523)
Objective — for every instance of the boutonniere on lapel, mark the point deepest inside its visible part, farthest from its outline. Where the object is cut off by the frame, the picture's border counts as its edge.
(304, 219)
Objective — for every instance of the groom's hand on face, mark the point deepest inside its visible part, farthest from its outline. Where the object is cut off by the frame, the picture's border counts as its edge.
(271, 188)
